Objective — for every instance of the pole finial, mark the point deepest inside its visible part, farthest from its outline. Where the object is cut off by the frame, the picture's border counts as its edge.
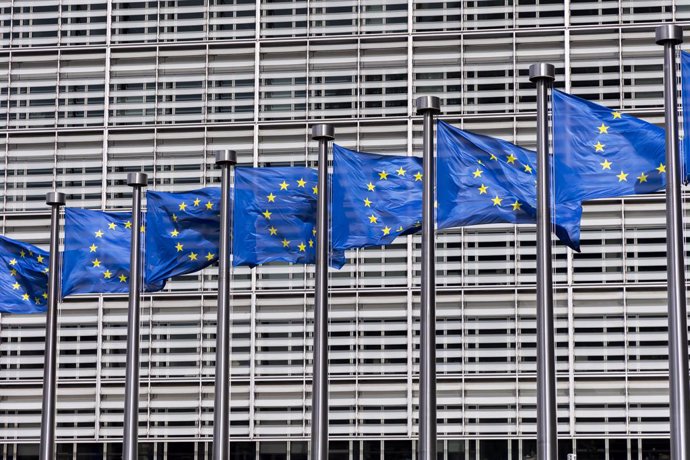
(323, 131)
(669, 33)
(137, 179)
(542, 71)
(226, 157)
(55, 199)
(428, 104)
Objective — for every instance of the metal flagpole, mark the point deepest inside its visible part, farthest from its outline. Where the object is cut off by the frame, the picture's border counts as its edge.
(47, 452)
(225, 159)
(428, 106)
(130, 443)
(547, 429)
(324, 133)
(669, 36)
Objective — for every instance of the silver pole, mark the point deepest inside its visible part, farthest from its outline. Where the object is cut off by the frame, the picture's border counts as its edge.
(225, 159)
(54, 200)
(547, 429)
(669, 36)
(428, 106)
(130, 443)
(324, 133)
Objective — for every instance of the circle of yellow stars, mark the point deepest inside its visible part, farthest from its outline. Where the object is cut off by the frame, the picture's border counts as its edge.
(496, 198)
(383, 175)
(25, 257)
(195, 204)
(94, 250)
(271, 199)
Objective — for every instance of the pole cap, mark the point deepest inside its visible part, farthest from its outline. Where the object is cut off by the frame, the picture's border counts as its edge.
(55, 198)
(137, 179)
(428, 104)
(542, 71)
(669, 34)
(323, 131)
(226, 157)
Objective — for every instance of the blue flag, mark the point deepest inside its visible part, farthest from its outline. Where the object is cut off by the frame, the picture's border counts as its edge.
(97, 250)
(23, 277)
(182, 232)
(601, 153)
(376, 198)
(685, 95)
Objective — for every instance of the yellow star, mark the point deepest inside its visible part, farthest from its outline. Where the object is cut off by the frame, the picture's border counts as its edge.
(267, 214)
(301, 182)
(174, 218)
(480, 162)
(302, 247)
(401, 171)
(209, 205)
(107, 274)
(386, 230)
(93, 248)
(622, 177)
(112, 225)
(315, 190)
(642, 178)
(22, 253)
(99, 234)
(179, 247)
(373, 219)
(418, 177)
(273, 231)
(599, 147)
(311, 243)
(174, 233)
(511, 158)
(46, 270)
(286, 243)
(16, 286)
(128, 224)
(123, 278)
(210, 256)
(44, 295)
(25, 297)
(383, 175)
(13, 272)
(313, 231)
(616, 115)
(142, 229)
(528, 169)
(192, 255)
(196, 202)
(661, 168)
(183, 206)
(370, 187)
(37, 300)
(606, 164)
(367, 202)
(13, 262)
(284, 185)
(516, 205)
(493, 157)
(400, 229)
(477, 173)
(96, 263)
(497, 201)
(39, 259)
(483, 189)
(603, 129)
(271, 198)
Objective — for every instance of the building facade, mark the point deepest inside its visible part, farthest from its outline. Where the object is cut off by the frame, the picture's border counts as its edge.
(93, 89)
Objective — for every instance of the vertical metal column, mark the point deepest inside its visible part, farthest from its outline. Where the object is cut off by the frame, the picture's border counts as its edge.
(131, 431)
(669, 36)
(428, 106)
(324, 133)
(225, 159)
(47, 452)
(547, 429)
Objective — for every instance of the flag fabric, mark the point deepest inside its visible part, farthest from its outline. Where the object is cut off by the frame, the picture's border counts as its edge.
(685, 97)
(182, 232)
(375, 198)
(23, 277)
(97, 252)
(601, 153)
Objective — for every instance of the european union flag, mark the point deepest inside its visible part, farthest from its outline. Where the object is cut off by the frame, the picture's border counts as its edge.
(601, 153)
(685, 94)
(23, 277)
(97, 251)
(182, 232)
(376, 198)
(274, 215)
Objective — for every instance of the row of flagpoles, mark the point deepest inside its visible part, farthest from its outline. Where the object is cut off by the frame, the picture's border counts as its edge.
(543, 75)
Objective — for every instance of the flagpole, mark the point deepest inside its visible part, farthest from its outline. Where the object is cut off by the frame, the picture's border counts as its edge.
(225, 159)
(428, 106)
(131, 430)
(324, 133)
(55, 200)
(547, 428)
(669, 36)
